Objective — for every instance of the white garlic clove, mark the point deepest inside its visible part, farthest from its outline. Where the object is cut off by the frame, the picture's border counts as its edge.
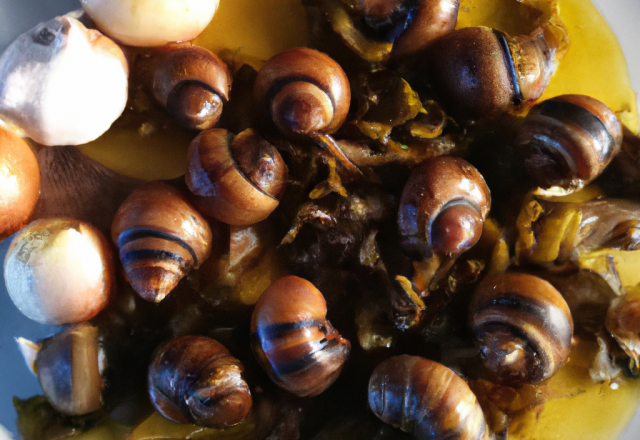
(63, 84)
(151, 23)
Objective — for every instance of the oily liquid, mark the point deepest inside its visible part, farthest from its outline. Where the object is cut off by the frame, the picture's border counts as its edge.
(581, 409)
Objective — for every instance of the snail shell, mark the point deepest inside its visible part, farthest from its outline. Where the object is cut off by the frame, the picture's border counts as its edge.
(70, 371)
(411, 25)
(443, 205)
(480, 72)
(567, 141)
(192, 84)
(292, 339)
(20, 183)
(194, 379)
(59, 271)
(303, 92)
(161, 237)
(523, 327)
(236, 179)
(426, 399)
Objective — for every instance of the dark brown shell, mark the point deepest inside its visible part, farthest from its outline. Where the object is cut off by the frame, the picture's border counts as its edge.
(443, 205)
(192, 84)
(312, 91)
(523, 327)
(567, 141)
(426, 399)
(292, 339)
(69, 370)
(161, 237)
(235, 179)
(194, 379)
(417, 23)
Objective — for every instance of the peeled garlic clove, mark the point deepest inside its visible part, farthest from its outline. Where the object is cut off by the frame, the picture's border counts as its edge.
(63, 84)
(151, 23)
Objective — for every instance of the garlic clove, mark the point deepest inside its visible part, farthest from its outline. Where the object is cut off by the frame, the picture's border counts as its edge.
(63, 84)
(151, 23)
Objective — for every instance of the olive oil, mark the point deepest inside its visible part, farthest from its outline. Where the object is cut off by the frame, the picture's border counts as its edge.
(593, 65)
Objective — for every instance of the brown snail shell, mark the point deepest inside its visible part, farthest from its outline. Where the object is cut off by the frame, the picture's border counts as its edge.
(623, 322)
(69, 370)
(20, 183)
(426, 399)
(193, 84)
(567, 141)
(161, 237)
(411, 25)
(194, 379)
(236, 179)
(292, 339)
(523, 327)
(442, 208)
(480, 72)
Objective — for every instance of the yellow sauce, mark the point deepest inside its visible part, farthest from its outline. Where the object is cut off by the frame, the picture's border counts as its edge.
(594, 65)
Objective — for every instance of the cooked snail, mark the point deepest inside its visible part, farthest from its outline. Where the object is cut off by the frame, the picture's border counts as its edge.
(161, 237)
(523, 327)
(196, 380)
(623, 322)
(151, 23)
(70, 371)
(479, 72)
(410, 25)
(59, 271)
(303, 93)
(19, 183)
(192, 84)
(236, 179)
(62, 84)
(567, 141)
(426, 399)
(442, 209)
(292, 339)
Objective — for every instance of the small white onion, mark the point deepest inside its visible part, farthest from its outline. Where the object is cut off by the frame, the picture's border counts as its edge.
(63, 84)
(151, 23)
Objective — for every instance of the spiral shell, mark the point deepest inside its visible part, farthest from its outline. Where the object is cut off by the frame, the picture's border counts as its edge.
(70, 371)
(426, 399)
(292, 339)
(567, 141)
(194, 379)
(193, 84)
(301, 92)
(161, 237)
(236, 179)
(443, 205)
(523, 327)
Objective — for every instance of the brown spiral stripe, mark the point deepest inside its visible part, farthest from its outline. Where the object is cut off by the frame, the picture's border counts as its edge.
(426, 399)
(579, 134)
(194, 379)
(292, 339)
(161, 237)
(523, 327)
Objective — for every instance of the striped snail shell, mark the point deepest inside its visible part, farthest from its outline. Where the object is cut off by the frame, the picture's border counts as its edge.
(426, 399)
(481, 72)
(161, 237)
(523, 327)
(292, 339)
(194, 379)
(411, 25)
(443, 205)
(567, 141)
(236, 179)
(192, 84)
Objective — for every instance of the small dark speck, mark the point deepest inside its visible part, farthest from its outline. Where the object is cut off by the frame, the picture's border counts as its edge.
(45, 37)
